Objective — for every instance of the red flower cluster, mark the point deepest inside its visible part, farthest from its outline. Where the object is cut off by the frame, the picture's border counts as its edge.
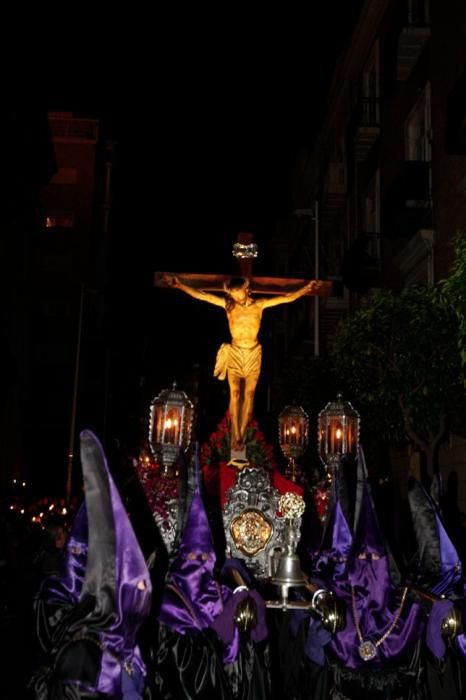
(158, 489)
(320, 495)
(215, 455)
(217, 447)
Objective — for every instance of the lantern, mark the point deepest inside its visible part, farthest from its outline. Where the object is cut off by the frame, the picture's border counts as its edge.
(338, 432)
(293, 435)
(171, 419)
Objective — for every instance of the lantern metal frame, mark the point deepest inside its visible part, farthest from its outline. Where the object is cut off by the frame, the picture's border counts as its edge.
(293, 438)
(170, 426)
(338, 426)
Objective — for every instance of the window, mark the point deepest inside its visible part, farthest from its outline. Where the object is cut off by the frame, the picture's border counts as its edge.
(371, 217)
(370, 88)
(418, 129)
(418, 13)
(372, 205)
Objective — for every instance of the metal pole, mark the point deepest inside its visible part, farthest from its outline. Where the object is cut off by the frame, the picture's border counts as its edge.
(69, 469)
(316, 298)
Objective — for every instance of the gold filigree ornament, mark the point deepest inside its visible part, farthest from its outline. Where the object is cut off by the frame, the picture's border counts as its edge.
(251, 531)
(291, 505)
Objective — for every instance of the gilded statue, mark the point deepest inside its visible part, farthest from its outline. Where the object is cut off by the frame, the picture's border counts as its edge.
(240, 360)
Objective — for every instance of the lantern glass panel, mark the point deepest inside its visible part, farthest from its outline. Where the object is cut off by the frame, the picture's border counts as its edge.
(170, 424)
(338, 430)
(293, 435)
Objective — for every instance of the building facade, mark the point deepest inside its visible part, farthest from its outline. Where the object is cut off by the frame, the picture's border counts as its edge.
(67, 310)
(382, 192)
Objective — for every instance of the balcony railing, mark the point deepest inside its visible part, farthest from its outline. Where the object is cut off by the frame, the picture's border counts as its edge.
(374, 248)
(413, 37)
(334, 190)
(417, 13)
(365, 123)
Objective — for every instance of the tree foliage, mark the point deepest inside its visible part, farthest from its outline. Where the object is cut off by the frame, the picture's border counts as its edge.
(398, 355)
(453, 291)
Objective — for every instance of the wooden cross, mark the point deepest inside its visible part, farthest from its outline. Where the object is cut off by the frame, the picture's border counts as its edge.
(262, 285)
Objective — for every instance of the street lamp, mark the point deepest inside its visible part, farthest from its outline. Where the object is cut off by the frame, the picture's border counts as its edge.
(171, 419)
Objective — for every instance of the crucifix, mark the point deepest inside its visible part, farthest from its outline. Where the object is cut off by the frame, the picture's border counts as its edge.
(240, 361)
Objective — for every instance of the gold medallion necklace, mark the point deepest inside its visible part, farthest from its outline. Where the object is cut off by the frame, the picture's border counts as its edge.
(368, 649)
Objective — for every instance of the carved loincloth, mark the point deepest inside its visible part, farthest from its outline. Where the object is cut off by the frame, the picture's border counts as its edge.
(242, 362)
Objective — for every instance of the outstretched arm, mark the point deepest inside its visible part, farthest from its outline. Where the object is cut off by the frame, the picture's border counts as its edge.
(174, 281)
(267, 302)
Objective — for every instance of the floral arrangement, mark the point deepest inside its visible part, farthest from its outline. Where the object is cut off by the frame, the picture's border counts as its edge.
(159, 490)
(215, 455)
(320, 492)
(217, 447)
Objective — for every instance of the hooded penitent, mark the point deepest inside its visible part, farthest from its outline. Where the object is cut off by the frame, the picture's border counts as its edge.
(89, 615)
(199, 650)
(330, 563)
(382, 625)
(193, 598)
(188, 657)
(436, 567)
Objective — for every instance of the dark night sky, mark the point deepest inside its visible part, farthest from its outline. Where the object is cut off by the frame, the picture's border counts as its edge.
(208, 128)
(208, 120)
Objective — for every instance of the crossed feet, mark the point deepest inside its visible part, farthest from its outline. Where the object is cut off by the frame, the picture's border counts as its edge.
(237, 445)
